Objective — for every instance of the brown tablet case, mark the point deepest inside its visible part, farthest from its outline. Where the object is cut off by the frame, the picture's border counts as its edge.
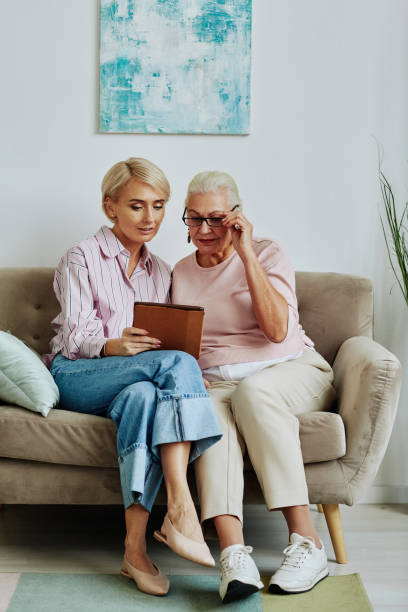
(178, 326)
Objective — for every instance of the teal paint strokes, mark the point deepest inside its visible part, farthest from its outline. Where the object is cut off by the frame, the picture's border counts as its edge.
(169, 8)
(213, 24)
(175, 66)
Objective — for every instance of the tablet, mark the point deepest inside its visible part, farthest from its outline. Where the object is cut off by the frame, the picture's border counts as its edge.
(178, 326)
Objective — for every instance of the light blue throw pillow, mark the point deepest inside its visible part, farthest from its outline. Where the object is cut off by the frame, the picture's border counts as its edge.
(24, 379)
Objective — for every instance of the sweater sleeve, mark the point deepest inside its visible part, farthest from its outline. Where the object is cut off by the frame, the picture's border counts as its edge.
(81, 332)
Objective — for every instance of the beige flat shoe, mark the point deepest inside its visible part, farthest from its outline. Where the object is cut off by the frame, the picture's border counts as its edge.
(152, 585)
(189, 549)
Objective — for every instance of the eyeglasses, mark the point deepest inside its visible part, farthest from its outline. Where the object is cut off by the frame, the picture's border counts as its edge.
(211, 221)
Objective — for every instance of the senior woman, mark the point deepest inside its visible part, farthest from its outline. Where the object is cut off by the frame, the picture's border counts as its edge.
(261, 370)
(105, 366)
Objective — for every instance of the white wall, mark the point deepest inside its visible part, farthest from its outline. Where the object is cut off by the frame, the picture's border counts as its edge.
(327, 77)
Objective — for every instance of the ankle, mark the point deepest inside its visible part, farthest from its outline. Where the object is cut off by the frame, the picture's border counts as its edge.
(180, 498)
(180, 506)
(135, 543)
(185, 520)
(308, 534)
(225, 542)
(229, 530)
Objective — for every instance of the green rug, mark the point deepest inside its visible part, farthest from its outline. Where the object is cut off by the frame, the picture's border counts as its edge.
(333, 594)
(114, 593)
(108, 593)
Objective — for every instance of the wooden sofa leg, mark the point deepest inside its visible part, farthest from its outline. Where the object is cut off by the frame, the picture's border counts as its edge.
(333, 520)
(320, 507)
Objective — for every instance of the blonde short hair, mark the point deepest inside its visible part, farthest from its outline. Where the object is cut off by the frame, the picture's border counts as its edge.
(138, 168)
(204, 182)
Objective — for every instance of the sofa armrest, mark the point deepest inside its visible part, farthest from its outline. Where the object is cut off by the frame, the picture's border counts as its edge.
(367, 378)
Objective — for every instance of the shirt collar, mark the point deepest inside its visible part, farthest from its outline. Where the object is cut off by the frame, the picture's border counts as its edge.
(111, 246)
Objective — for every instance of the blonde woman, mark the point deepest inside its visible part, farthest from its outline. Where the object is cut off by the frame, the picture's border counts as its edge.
(261, 370)
(105, 366)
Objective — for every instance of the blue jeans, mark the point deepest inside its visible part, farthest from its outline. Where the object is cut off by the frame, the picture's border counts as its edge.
(155, 397)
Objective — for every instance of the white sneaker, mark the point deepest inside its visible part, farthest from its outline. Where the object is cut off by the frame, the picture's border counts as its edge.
(304, 566)
(239, 574)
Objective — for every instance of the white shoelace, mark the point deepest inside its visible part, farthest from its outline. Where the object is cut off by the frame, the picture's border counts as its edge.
(236, 559)
(297, 553)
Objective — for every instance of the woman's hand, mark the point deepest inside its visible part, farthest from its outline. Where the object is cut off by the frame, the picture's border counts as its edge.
(132, 342)
(241, 233)
(206, 383)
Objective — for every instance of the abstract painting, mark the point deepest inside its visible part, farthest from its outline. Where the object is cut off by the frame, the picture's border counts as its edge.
(175, 66)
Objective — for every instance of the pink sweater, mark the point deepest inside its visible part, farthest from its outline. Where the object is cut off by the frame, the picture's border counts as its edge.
(231, 331)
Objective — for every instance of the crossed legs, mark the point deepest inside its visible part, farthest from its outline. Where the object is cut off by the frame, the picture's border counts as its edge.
(164, 419)
(181, 509)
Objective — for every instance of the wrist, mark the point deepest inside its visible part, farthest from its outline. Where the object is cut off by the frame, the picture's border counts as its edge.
(107, 349)
(248, 255)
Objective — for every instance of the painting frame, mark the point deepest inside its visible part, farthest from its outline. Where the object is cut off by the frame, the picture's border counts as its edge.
(175, 66)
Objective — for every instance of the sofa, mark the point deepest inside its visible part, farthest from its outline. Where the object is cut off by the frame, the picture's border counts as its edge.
(70, 458)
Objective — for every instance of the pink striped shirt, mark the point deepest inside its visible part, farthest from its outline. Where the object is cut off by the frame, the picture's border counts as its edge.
(96, 295)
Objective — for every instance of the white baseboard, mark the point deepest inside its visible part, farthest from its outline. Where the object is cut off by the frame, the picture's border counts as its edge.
(386, 494)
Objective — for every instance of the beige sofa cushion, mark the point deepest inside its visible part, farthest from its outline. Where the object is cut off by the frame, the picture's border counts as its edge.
(64, 437)
(71, 438)
(322, 436)
(334, 307)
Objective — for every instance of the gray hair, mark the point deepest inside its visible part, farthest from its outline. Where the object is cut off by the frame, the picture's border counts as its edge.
(205, 182)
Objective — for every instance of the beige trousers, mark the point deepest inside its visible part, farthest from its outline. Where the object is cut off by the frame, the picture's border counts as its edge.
(258, 413)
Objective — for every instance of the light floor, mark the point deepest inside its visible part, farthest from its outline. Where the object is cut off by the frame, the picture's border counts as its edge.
(89, 539)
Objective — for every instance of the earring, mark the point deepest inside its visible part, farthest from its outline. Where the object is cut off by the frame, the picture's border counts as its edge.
(188, 237)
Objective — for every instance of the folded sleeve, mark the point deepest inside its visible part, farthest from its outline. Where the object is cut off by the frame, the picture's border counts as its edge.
(79, 328)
